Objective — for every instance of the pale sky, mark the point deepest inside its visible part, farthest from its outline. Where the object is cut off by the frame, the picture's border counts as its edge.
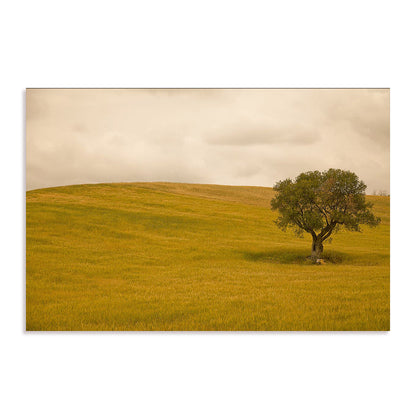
(217, 136)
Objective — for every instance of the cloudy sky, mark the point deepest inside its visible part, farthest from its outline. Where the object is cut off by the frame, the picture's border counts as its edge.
(221, 136)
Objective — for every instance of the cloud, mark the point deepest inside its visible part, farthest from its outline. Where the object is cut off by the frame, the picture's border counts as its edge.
(228, 136)
(248, 133)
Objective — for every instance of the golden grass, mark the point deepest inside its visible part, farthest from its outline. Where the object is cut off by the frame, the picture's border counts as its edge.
(165, 256)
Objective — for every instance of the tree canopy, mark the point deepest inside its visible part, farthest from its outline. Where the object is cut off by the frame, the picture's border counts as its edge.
(322, 202)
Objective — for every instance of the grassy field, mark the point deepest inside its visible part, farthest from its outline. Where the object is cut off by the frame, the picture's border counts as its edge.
(164, 256)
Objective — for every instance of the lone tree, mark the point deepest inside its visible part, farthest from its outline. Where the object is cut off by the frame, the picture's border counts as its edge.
(320, 203)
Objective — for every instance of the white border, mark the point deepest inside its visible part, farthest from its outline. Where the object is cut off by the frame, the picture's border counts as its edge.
(207, 44)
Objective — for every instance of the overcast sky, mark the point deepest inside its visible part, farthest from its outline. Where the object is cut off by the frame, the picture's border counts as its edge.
(231, 137)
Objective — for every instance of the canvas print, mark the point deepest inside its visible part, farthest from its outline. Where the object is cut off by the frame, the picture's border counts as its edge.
(207, 209)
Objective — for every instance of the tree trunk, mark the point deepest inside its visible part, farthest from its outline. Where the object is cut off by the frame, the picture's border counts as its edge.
(317, 249)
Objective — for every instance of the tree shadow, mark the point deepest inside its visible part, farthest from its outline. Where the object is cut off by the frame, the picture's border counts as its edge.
(280, 256)
(300, 257)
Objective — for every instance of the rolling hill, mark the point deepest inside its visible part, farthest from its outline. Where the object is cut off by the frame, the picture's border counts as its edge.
(169, 256)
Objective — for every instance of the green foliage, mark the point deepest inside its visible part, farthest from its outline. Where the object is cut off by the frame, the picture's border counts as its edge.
(320, 203)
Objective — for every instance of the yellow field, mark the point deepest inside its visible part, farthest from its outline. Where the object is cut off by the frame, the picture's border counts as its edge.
(163, 256)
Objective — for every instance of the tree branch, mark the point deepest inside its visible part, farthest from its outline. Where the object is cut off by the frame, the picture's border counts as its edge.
(322, 212)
